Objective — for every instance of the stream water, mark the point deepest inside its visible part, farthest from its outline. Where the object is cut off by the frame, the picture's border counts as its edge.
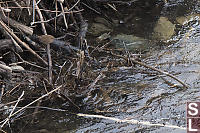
(135, 93)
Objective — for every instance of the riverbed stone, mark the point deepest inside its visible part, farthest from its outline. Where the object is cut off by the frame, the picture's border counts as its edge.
(96, 29)
(185, 19)
(103, 21)
(131, 42)
(163, 29)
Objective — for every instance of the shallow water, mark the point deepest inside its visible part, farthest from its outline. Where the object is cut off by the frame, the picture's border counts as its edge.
(136, 95)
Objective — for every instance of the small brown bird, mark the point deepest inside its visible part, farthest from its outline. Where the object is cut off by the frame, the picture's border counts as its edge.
(46, 39)
(57, 44)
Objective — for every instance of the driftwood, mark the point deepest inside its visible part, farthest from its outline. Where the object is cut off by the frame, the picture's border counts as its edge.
(21, 42)
(16, 47)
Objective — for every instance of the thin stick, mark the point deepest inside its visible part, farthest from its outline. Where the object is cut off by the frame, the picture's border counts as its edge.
(146, 123)
(7, 35)
(153, 68)
(56, 6)
(74, 5)
(36, 100)
(50, 64)
(33, 12)
(9, 92)
(46, 21)
(17, 47)
(28, 4)
(7, 68)
(48, 45)
(91, 8)
(3, 131)
(26, 62)
(63, 13)
(160, 71)
(21, 42)
(7, 119)
(91, 85)
(2, 92)
(41, 18)
(10, 102)
(17, 4)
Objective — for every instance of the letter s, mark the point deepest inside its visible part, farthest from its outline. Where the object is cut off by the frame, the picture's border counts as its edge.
(192, 107)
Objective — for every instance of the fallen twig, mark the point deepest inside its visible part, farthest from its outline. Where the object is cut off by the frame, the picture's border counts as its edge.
(21, 42)
(11, 115)
(9, 43)
(17, 47)
(63, 13)
(153, 68)
(41, 18)
(7, 68)
(1, 94)
(145, 123)
(7, 119)
(31, 64)
(91, 85)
